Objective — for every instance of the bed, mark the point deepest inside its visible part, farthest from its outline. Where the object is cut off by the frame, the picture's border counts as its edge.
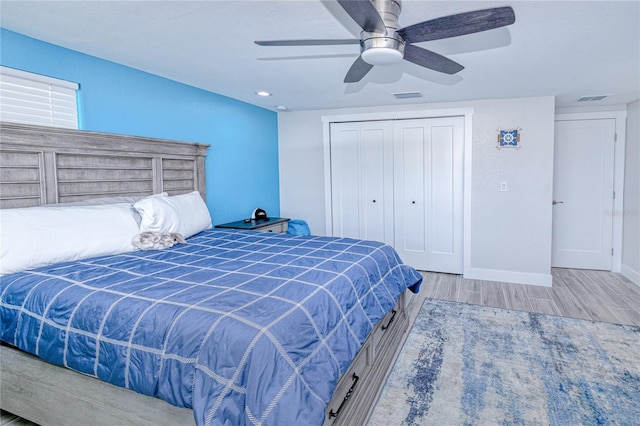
(236, 327)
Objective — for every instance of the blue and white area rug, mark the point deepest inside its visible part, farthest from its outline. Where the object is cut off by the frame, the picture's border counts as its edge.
(472, 365)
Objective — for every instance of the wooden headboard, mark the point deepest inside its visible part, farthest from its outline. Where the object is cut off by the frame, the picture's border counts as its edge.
(46, 165)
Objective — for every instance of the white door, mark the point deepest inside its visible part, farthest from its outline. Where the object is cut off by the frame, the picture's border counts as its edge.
(428, 195)
(361, 180)
(583, 194)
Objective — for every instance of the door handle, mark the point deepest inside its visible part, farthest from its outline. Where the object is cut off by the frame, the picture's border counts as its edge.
(554, 202)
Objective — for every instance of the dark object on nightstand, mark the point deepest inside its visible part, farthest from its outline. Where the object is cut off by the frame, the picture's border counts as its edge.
(259, 214)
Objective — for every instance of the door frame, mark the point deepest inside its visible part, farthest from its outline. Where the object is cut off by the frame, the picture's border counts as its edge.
(618, 173)
(467, 113)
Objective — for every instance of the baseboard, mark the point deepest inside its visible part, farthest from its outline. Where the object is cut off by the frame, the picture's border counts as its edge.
(508, 276)
(631, 274)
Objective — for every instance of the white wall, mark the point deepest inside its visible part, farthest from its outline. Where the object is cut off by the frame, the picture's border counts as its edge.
(631, 211)
(510, 233)
(301, 153)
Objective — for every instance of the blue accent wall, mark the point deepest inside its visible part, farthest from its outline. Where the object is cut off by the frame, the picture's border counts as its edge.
(242, 162)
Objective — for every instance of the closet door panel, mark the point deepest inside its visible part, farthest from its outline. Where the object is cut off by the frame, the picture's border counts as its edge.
(428, 191)
(413, 178)
(362, 180)
(447, 145)
(409, 172)
(441, 211)
(372, 183)
(344, 180)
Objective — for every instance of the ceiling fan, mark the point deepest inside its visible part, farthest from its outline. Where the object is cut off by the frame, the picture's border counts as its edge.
(383, 43)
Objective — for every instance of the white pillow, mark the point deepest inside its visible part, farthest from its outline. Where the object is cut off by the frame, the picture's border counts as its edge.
(186, 214)
(38, 236)
(110, 200)
(157, 216)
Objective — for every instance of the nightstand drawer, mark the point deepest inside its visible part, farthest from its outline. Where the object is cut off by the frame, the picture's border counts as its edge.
(277, 228)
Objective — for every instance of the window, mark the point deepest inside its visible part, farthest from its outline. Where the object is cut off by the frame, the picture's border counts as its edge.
(35, 99)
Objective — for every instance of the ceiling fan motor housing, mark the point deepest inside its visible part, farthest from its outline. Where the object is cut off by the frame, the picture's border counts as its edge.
(384, 48)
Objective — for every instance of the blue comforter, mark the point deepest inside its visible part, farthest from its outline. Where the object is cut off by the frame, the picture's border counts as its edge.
(244, 327)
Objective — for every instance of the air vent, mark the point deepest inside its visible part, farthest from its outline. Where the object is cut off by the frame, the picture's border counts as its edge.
(591, 98)
(407, 95)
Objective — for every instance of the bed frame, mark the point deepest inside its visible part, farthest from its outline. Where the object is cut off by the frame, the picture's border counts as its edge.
(46, 165)
(43, 165)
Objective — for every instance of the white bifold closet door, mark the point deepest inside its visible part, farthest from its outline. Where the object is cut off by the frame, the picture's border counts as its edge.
(400, 182)
(362, 180)
(428, 197)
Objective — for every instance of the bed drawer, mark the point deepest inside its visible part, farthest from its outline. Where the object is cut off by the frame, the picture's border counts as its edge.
(388, 327)
(371, 366)
(349, 383)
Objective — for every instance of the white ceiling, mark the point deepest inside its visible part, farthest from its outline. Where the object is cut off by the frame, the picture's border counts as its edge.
(566, 49)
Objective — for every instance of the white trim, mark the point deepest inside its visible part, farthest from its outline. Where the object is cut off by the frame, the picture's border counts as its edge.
(528, 278)
(618, 177)
(466, 203)
(631, 274)
(326, 141)
(38, 78)
(398, 115)
(467, 113)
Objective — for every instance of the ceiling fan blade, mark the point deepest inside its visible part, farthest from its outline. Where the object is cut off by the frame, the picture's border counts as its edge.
(365, 14)
(326, 42)
(358, 70)
(428, 59)
(457, 25)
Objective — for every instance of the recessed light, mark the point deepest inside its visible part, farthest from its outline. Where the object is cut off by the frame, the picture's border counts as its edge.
(263, 93)
(281, 107)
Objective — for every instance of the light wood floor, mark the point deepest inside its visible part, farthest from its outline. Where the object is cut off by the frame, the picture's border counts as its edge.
(593, 295)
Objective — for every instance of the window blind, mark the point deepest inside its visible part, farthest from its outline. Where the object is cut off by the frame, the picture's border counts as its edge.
(36, 99)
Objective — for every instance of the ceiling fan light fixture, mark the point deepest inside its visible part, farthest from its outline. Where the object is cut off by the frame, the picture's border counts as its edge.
(382, 56)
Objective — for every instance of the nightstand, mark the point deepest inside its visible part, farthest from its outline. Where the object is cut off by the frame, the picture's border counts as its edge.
(273, 224)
